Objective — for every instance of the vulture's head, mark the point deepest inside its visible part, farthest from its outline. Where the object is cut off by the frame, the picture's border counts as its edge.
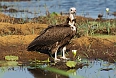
(72, 10)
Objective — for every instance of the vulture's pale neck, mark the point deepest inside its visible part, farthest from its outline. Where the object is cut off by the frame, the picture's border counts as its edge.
(72, 22)
(72, 16)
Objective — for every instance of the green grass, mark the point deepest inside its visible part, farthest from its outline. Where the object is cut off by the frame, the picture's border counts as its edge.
(91, 28)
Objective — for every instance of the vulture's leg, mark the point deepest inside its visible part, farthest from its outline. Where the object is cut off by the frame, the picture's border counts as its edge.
(56, 59)
(63, 53)
(55, 49)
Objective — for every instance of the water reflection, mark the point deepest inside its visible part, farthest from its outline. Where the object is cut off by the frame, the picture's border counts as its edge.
(96, 69)
(37, 73)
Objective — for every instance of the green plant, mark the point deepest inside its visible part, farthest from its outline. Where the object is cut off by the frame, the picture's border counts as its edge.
(38, 62)
(9, 61)
(52, 18)
(93, 27)
(11, 58)
(71, 64)
(74, 52)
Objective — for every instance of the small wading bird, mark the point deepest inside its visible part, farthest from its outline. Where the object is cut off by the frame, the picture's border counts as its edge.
(55, 38)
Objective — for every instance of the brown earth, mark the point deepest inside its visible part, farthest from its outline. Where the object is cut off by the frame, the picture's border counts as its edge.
(89, 47)
(15, 38)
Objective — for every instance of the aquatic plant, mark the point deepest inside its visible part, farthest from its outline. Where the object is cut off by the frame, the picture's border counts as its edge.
(71, 64)
(74, 52)
(38, 62)
(10, 61)
(11, 58)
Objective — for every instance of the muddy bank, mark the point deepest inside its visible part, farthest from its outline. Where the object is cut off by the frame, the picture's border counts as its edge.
(87, 47)
(95, 48)
(21, 29)
(15, 37)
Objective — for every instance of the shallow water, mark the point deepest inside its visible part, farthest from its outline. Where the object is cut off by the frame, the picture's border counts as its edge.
(15, 72)
(98, 69)
(95, 69)
(34, 8)
(25, 72)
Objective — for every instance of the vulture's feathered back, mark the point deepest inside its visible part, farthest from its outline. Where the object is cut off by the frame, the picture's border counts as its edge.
(54, 37)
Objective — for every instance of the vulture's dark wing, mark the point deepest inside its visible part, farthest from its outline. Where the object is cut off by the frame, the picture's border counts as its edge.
(51, 35)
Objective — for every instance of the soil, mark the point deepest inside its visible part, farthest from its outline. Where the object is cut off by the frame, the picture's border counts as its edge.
(15, 38)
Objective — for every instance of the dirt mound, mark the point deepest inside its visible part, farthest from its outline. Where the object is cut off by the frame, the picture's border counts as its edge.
(94, 47)
(16, 45)
(21, 29)
(89, 47)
